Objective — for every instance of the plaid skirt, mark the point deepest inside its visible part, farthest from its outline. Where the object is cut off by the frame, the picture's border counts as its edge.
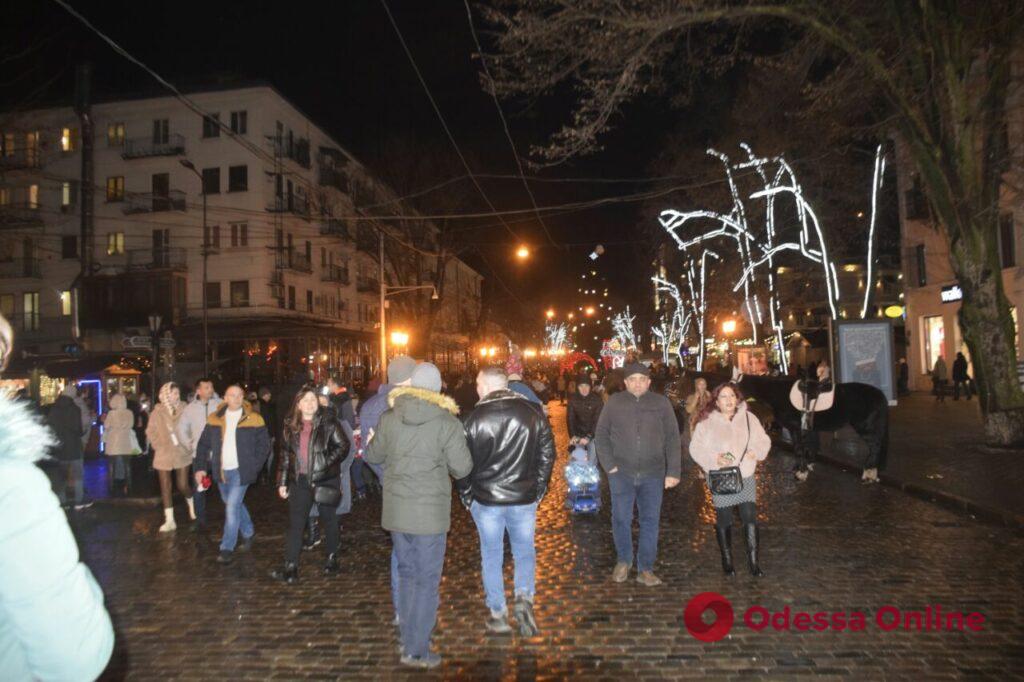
(748, 494)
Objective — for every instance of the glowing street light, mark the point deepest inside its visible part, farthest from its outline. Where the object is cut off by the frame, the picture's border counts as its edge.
(399, 338)
(729, 327)
(550, 313)
(522, 253)
(589, 311)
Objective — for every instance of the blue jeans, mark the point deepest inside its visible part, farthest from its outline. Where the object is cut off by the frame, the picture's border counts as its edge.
(236, 516)
(491, 523)
(420, 562)
(646, 493)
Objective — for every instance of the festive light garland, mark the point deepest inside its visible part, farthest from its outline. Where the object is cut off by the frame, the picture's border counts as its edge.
(876, 184)
(622, 329)
(678, 325)
(556, 336)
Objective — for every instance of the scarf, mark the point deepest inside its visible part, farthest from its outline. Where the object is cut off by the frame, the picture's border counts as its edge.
(165, 398)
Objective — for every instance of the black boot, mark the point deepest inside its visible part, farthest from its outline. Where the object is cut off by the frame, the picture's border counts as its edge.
(332, 565)
(312, 535)
(750, 532)
(289, 573)
(724, 535)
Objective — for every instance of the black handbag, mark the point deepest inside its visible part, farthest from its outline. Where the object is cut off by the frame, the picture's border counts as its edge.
(325, 494)
(729, 480)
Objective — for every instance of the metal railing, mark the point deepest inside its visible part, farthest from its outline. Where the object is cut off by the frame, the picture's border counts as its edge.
(365, 284)
(141, 147)
(297, 151)
(295, 204)
(21, 157)
(335, 227)
(294, 260)
(156, 257)
(334, 273)
(154, 203)
(20, 212)
(21, 268)
(332, 177)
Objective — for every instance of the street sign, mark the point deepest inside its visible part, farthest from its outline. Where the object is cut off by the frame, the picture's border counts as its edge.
(140, 342)
(167, 343)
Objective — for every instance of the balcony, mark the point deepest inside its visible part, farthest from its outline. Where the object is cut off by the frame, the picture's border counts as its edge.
(294, 260)
(154, 203)
(367, 284)
(294, 204)
(296, 149)
(20, 159)
(335, 273)
(335, 227)
(141, 147)
(157, 258)
(21, 213)
(21, 268)
(332, 177)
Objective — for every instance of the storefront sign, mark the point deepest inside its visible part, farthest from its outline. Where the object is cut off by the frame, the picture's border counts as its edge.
(951, 293)
(894, 311)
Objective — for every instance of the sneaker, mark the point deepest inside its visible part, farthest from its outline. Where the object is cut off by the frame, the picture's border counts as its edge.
(524, 617)
(225, 557)
(648, 579)
(312, 540)
(429, 661)
(498, 623)
(169, 525)
(246, 544)
(84, 504)
(620, 573)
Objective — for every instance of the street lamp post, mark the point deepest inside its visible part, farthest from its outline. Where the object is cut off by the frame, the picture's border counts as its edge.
(206, 253)
(154, 330)
(386, 291)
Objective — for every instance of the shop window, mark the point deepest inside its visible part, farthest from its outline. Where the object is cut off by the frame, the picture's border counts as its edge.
(934, 334)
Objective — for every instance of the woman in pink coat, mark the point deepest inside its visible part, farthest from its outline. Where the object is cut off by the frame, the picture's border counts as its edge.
(727, 434)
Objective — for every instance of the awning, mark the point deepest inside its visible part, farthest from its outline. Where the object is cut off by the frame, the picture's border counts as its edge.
(79, 368)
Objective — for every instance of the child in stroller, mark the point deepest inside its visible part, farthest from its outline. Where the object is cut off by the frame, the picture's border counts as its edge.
(582, 478)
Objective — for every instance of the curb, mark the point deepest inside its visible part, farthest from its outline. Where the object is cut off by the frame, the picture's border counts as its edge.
(940, 497)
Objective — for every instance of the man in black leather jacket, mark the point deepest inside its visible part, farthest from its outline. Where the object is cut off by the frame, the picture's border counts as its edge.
(513, 454)
(583, 412)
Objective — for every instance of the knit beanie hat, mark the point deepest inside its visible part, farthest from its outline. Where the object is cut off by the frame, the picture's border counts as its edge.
(514, 367)
(635, 368)
(582, 380)
(427, 376)
(400, 369)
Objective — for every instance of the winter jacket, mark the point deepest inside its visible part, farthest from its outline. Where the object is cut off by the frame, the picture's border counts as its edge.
(162, 424)
(252, 443)
(342, 404)
(193, 421)
(87, 417)
(718, 434)
(65, 420)
(53, 625)
(117, 428)
(328, 448)
(512, 448)
(525, 391)
(420, 442)
(939, 372)
(372, 409)
(639, 436)
(694, 404)
(583, 413)
(960, 369)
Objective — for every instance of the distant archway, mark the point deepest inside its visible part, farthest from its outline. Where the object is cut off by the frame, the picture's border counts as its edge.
(569, 362)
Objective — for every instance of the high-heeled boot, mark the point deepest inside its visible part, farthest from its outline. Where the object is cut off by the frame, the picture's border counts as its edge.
(289, 573)
(332, 565)
(724, 535)
(750, 533)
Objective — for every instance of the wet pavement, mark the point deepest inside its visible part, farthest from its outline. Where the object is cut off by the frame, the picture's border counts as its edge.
(829, 545)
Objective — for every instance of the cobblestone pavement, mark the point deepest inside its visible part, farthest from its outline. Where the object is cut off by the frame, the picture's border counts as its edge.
(830, 544)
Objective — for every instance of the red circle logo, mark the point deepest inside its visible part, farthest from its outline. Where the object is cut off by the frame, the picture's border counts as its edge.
(719, 627)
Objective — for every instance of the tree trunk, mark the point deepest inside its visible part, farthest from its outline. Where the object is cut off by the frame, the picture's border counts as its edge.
(988, 331)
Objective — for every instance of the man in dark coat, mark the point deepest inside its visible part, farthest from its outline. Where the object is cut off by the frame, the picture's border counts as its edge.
(960, 377)
(65, 420)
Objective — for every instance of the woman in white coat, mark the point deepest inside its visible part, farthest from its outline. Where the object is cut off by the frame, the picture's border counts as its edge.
(727, 435)
(119, 443)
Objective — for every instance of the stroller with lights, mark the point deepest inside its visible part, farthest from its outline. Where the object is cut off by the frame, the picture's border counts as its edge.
(582, 478)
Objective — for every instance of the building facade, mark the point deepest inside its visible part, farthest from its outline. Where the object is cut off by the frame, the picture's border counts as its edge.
(292, 280)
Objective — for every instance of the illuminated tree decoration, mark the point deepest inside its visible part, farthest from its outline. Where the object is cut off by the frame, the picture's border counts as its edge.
(556, 337)
(622, 328)
(673, 330)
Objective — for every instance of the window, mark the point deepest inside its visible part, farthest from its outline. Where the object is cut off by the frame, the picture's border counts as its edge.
(922, 275)
(161, 130)
(309, 301)
(5, 196)
(239, 122)
(7, 305)
(69, 246)
(238, 179)
(1007, 246)
(33, 196)
(323, 257)
(30, 311)
(934, 334)
(65, 303)
(213, 294)
(211, 237)
(239, 234)
(240, 294)
(115, 188)
(211, 125)
(68, 139)
(291, 298)
(211, 180)
(115, 134)
(115, 243)
(68, 195)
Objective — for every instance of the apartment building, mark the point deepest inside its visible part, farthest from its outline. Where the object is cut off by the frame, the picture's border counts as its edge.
(292, 274)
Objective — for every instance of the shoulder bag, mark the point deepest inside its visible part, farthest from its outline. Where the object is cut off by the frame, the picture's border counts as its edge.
(729, 480)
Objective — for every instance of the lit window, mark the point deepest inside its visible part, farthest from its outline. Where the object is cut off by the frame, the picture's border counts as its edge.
(115, 188)
(65, 303)
(115, 134)
(115, 243)
(33, 196)
(67, 139)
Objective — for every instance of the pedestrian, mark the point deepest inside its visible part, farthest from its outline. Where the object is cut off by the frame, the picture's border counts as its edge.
(119, 444)
(268, 411)
(420, 443)
(465, 395)
(960, 377)
(313, 448)
(65, 420)
(940, 377)
(233, 448)
(903, 383)
(169, 453)
(193, 420)
(638, 446)
(581, 417)
(513, 454)
(728, 435)
(514, 371)
(561, 386)
(696, 402)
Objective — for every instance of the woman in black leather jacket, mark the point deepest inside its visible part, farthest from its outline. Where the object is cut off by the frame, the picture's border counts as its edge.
(313, 448)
